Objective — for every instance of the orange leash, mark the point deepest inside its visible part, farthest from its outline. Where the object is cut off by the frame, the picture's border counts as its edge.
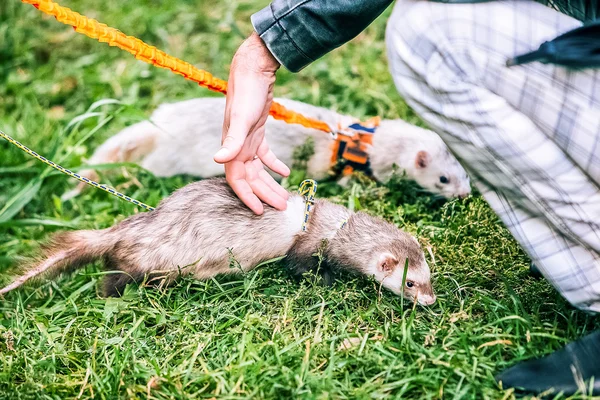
(152, 55)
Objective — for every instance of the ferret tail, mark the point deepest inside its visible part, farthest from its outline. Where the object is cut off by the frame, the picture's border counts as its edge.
(67, 251)
(129, 145)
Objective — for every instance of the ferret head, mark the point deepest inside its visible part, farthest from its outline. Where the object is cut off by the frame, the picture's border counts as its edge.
(422, 154)
(379, 249)
(439, 172)
(388, 268)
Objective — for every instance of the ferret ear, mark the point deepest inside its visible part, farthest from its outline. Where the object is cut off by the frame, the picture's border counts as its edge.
(423, 159)
(387, 263)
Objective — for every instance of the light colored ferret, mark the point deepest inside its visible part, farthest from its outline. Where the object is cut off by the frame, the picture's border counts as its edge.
(204, 230)
(181, 138)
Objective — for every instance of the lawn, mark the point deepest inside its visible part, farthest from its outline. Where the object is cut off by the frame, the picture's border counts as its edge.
(260, 335)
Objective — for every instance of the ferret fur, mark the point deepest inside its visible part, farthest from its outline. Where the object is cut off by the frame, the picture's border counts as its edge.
(182, 137)
(204, 230)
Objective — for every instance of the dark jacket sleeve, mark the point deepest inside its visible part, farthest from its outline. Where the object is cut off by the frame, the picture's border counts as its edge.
(297, 32)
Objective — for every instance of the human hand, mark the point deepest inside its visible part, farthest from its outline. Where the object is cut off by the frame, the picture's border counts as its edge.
(244, 150)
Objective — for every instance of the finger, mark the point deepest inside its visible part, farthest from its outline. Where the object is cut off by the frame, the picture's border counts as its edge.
(229, 150)
(271, 161)
(235, 173)
(234, 140)
(264, 175)
(263, 191)
(273, 185)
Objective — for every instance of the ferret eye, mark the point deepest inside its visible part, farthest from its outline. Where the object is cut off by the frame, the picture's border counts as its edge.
(410, 284)
(443, 179)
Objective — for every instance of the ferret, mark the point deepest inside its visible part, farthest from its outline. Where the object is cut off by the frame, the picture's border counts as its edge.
(204, 230)
(182, 137)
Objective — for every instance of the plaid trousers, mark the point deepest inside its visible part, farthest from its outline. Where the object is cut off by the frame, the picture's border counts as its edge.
(529, 136)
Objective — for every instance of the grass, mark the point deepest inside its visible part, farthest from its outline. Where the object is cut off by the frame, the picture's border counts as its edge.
(262, 334)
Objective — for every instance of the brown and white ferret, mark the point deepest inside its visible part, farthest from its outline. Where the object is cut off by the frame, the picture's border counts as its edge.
(182, 137)
(204, 230)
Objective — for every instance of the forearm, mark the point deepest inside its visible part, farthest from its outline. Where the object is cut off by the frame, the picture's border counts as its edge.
(297, 32)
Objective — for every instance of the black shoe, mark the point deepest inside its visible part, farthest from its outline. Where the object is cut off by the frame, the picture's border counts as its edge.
(578, 360)
(534, 271)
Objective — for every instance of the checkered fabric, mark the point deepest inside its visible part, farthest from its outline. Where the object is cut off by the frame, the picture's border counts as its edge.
(529, 135)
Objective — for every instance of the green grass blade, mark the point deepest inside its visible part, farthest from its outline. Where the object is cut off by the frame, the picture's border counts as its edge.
(20, 200)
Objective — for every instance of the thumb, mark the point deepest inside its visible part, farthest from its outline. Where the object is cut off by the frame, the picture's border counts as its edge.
(232, 144)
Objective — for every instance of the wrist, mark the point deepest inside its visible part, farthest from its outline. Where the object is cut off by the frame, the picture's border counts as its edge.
(265, 60)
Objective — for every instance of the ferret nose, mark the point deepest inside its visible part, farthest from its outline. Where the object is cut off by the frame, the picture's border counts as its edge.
(427, 300)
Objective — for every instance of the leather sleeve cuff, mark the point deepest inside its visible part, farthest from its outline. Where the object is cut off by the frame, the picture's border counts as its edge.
(280, 44)
(298, 32)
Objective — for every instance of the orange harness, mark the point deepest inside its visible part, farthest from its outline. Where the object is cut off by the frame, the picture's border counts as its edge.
(350, 148)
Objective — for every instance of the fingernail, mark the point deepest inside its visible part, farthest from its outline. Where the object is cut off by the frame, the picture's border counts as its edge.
(284, 168)
(222, 153)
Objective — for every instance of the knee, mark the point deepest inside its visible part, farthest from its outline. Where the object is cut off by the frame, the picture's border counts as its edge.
(407, 29)
(422, 28)
(423, 48)
(436, 40)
